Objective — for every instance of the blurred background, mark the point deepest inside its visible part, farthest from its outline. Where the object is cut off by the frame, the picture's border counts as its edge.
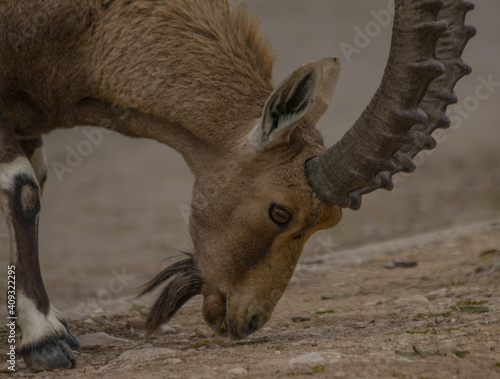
(120, 214)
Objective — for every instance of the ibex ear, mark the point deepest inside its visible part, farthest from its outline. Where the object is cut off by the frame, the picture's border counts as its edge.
(306, 92)
(330, 71)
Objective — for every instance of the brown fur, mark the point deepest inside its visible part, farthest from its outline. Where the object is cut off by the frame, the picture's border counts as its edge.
(194, 75)
(197, 46)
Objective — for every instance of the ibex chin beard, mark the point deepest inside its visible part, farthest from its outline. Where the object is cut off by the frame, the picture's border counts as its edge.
(183, 282)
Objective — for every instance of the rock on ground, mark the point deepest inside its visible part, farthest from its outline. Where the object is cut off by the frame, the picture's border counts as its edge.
(310, 360)
(100, 339)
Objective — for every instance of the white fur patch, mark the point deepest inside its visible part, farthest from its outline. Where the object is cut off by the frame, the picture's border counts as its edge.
(34, 325)
(8, 172)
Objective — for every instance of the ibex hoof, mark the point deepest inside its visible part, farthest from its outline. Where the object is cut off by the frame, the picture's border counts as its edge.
(51, 354)
(70, 338)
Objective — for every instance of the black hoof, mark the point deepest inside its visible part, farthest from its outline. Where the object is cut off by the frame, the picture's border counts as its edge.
(70, 338)
(51, 354)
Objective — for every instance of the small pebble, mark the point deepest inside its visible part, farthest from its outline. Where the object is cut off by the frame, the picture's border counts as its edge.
(301, 318)
(237, 372)
(403, 359)
(102, 368)
(404, 263)
(324, 297)
(447, 347)
(400, 263)
(389, 265)
(310, 359)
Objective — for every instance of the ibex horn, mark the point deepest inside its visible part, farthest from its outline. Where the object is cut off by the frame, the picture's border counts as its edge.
(423, 67)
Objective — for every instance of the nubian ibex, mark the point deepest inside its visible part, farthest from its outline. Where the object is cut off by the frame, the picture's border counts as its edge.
(196, 75)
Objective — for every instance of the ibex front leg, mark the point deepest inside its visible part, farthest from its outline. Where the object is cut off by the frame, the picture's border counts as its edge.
(45, 339)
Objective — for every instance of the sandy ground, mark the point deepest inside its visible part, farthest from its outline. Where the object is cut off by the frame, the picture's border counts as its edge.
(120, 212)
(343, 316)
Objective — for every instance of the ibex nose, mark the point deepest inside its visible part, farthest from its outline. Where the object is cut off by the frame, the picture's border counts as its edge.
(246, 328)
(255, 323)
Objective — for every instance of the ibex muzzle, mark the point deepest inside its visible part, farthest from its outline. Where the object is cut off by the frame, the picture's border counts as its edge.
(196, 75)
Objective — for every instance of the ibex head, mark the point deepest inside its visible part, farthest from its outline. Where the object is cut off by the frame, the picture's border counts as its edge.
(252, 215)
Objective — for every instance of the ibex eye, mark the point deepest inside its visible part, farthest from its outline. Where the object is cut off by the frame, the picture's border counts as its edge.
(279, 215)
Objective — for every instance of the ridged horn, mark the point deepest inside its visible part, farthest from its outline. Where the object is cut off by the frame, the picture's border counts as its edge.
(428, 39)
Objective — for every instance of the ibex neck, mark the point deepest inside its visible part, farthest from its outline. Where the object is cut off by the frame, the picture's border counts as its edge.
(203, 66)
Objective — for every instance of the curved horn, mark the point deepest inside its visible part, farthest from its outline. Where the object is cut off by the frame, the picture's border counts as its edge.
(440, 93)
(406, 108)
